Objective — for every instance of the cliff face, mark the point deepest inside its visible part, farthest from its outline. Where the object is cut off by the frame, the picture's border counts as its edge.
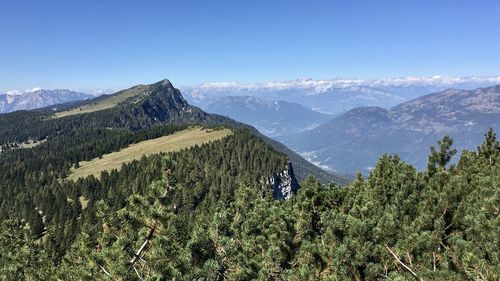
(284, 184)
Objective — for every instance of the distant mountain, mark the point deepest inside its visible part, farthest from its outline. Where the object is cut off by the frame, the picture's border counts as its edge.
(272, 118)
(38, 98)
(331, 97)
(354, 140)
(335, 96)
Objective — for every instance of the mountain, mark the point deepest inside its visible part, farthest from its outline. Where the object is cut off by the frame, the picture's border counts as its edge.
(272, 118)
(140, 185)
(335, 96)
(135, 109)
(38, 98)
(330, 97)
(354, 140)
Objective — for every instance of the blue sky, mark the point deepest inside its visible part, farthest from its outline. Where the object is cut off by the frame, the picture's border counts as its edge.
(100, 44)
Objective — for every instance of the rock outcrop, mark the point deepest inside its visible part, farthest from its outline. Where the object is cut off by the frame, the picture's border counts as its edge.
(284, 184)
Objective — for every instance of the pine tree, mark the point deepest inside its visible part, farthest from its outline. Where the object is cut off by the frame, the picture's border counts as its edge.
(490, 148)
(439, 159)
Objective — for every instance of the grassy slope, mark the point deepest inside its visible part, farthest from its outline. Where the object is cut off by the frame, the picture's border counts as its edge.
(177, 141)
(104, 102)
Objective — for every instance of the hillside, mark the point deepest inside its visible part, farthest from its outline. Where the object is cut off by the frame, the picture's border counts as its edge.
(184, 139)
(38, 98)
(113, 147)
(207, 213)
(272, 118)
(146, 105)
(135, 109)
(214, 205)
(354, 141)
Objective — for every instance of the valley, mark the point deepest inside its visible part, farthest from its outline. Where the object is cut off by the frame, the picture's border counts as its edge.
(355, 140)
(271, 118)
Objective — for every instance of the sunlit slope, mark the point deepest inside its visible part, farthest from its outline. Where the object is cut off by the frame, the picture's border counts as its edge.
(106, 102)
(174, 142)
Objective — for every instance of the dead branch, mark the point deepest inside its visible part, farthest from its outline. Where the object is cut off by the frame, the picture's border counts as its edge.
(401, 263)
(136, 272)
(104, 270)
(409, 259)
(434, 260)
(139, 252)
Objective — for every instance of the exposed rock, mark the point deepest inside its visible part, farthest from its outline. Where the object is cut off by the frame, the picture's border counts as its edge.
(284, 184)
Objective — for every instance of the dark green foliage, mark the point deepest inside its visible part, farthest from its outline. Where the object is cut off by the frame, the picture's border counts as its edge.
(489, 150)
(204, 214)
(439, 159)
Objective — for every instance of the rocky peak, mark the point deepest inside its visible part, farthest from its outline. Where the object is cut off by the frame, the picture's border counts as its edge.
(284, 183)
(165, 91)
(164, 83)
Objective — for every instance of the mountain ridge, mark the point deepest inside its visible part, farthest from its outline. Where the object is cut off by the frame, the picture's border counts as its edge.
(335, 96)
(272, 118)
(354, 140)
(38, 98)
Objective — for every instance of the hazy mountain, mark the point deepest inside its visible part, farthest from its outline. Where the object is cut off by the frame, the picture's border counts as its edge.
(335, 96)
(331, 97)
(272, 118)
(354, 140)
(38, 98)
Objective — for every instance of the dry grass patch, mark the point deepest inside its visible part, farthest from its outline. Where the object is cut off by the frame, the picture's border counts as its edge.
(174, 142)
(105, 102)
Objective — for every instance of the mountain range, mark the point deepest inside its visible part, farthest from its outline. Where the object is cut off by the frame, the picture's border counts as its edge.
(335, 96)
(349, 141)
(272, 118)
(331, 96)
(354, 140)
(38, 98)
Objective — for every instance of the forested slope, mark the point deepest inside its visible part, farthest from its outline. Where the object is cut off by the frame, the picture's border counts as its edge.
(208, 212)
(198, 215)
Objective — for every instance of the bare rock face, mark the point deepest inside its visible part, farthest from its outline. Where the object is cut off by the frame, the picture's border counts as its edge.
(284, 184)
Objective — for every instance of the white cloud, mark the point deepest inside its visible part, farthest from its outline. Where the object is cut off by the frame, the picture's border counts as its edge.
(13, 92)
(319, 86)
(32, 90)
(18, 92)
